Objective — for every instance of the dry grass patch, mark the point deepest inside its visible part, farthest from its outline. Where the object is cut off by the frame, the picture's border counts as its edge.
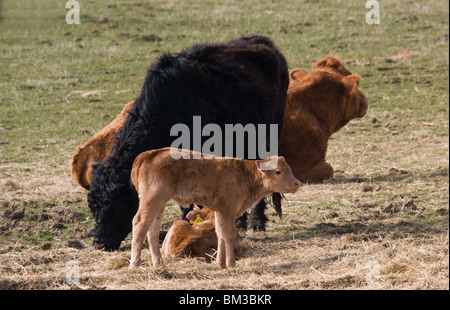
(382, 223)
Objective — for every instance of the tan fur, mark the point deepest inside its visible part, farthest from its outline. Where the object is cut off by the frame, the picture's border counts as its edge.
(96, 149)
(198, 240)
(318, 104)
(227, 186)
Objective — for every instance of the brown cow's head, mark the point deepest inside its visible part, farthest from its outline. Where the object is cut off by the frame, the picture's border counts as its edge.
(337, 97)
(357, 107)
(354, 104)
(280, 178)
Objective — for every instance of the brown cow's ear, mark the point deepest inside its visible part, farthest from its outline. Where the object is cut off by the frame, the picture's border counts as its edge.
(321, 63)
(329, 61)
(94, 165)
(334, 62)
(298, 74)
(351, 82)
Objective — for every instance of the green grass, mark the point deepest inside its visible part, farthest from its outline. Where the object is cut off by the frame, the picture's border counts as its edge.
(396, 154)
(43, 64)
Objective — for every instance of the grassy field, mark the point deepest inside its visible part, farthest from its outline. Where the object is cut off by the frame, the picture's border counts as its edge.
(382, 223)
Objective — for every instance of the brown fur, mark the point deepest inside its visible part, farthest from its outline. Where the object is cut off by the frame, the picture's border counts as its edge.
(318, 104)
(198, 240)
(333, 64)
(96, 149)
(158, 178)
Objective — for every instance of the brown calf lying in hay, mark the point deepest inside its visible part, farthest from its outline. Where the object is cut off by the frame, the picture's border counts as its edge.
(195, 239)
(158, 178)
(318, 104)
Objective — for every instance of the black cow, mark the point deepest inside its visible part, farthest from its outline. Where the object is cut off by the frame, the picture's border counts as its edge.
(242, 81)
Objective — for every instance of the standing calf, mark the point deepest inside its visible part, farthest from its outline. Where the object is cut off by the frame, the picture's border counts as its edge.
(158, 178)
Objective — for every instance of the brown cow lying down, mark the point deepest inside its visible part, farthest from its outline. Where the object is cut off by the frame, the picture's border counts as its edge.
(158, 178)
(96, 149)
(318, 104)
(195, 240)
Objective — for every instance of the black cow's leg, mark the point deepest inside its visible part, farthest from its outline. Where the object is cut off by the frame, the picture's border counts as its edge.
(257, 219)
(241, 222)
(185, 211)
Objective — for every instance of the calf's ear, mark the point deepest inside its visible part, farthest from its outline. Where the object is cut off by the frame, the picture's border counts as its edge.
(260, 161)
(298, 74)
(351, 82)
(270, 163)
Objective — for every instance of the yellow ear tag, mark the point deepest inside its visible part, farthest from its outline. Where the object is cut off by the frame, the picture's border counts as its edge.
(197, 220)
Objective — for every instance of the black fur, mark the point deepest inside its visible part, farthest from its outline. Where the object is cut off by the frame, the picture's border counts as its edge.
(242, 81)
(276, 201)
(185, 211)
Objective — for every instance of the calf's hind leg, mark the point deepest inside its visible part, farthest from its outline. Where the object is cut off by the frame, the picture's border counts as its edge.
(141, 223)
(147, 221)
(153, 233)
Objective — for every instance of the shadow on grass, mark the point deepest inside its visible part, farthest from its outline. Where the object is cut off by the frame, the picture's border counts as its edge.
(371, 230)
(395, 175)
(368, 230)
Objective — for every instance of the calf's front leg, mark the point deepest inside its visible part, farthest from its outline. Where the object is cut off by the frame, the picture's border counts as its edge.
(153, 234)
(226, 235)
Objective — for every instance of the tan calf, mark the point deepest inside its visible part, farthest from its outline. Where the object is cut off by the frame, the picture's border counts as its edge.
(228, 186)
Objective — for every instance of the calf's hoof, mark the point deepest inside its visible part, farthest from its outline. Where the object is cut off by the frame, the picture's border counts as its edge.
(135, 264)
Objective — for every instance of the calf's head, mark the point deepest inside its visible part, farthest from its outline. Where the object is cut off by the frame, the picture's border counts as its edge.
(279, 178)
